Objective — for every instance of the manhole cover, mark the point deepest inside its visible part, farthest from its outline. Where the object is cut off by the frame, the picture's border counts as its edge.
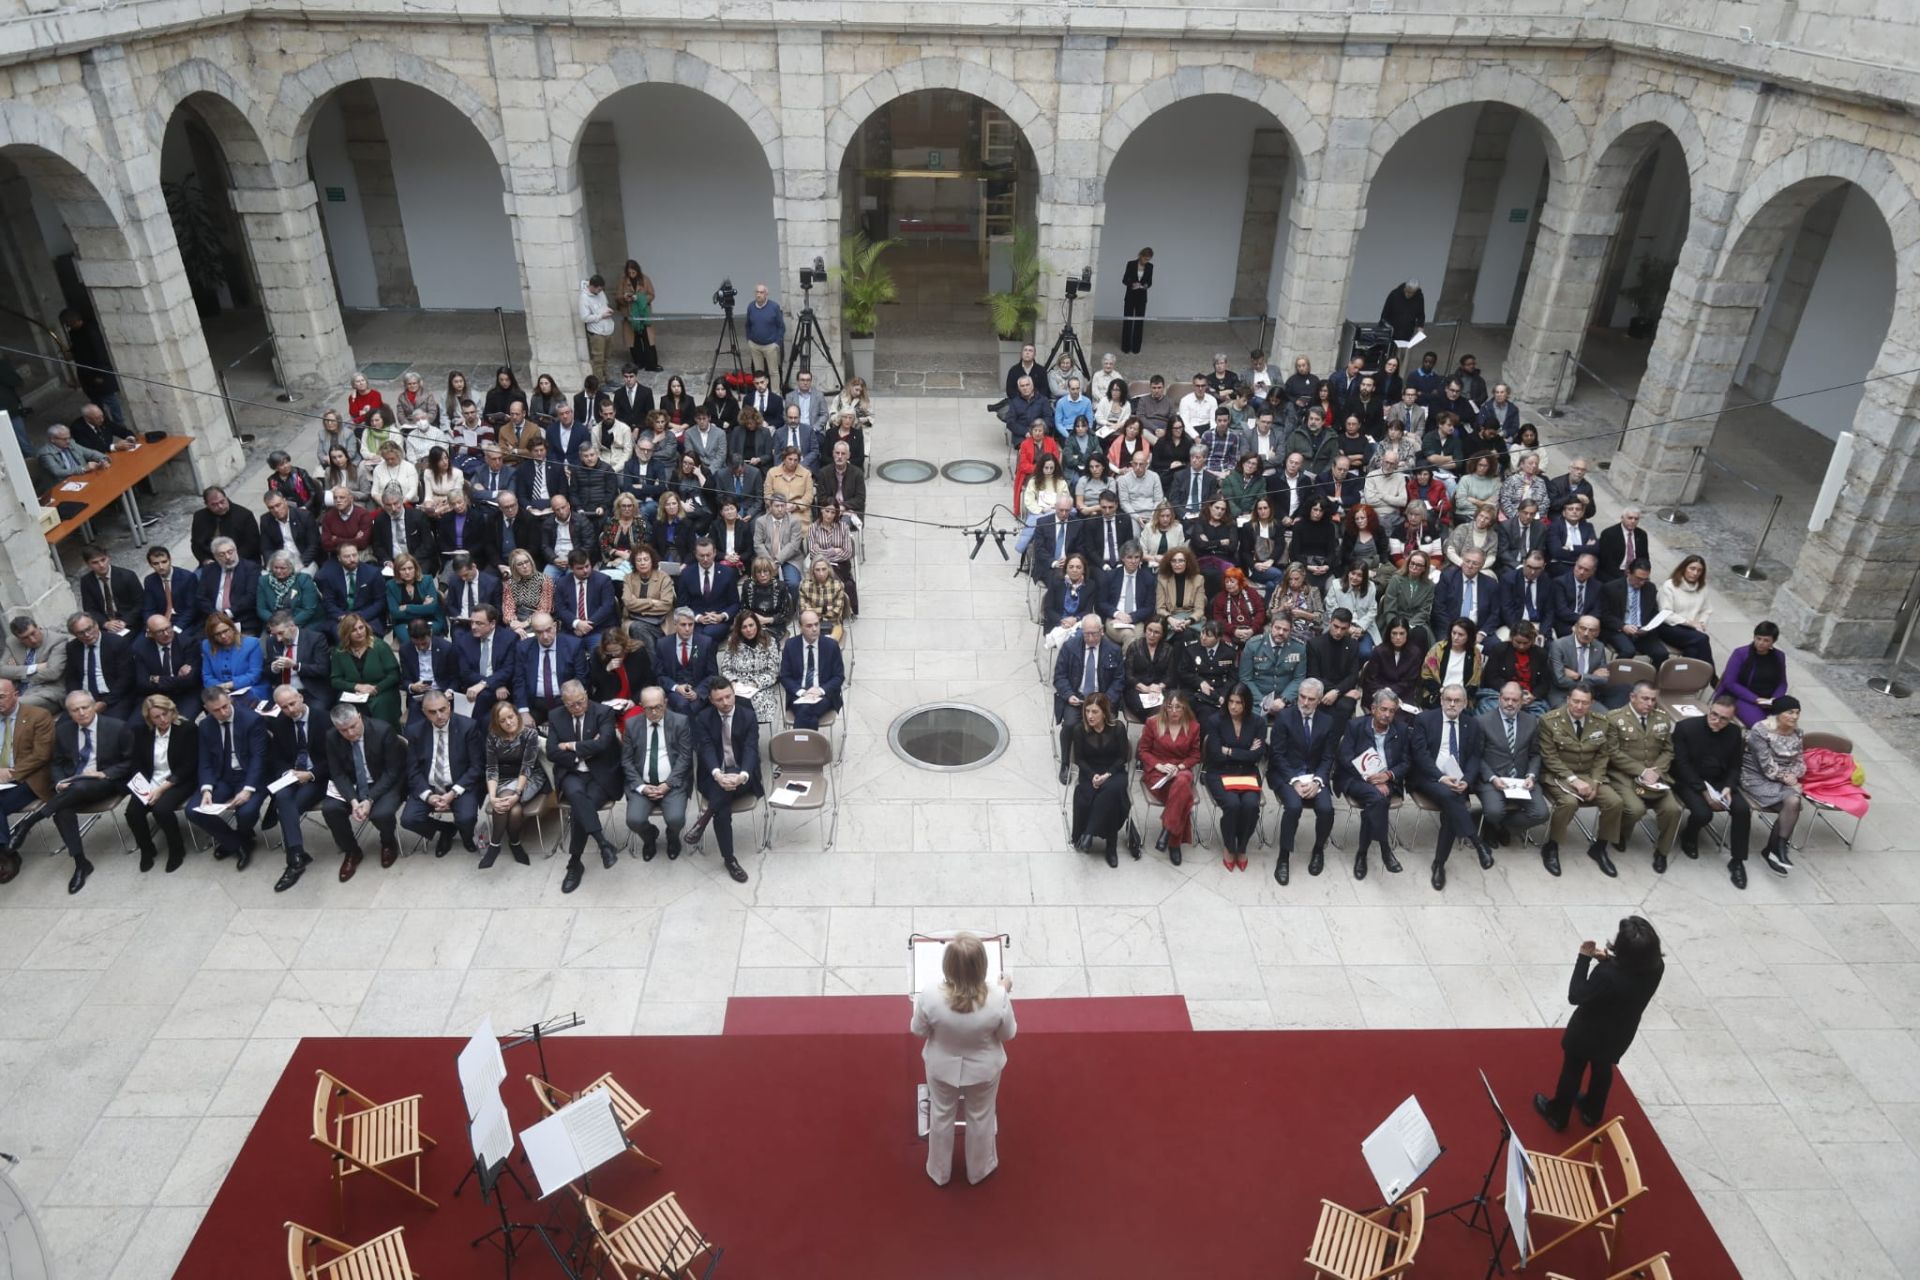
(971, 471)
(908, 471)
(385, 370)
(948, 736)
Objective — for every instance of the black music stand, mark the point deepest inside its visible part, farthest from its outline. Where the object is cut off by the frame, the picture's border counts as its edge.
(1481, 1201)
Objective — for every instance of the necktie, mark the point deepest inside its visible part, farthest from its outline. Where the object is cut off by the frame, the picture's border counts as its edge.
(686, 653)
(1059, 539)
(1513, 741)
(352, 582)
(706, 583)
(226, 590)
(166, 589)
(106, 590)
(1633, 607)
(726, 742)
(67, 456)
(86, 750)
(362, 780)
(1583, 659)
(1578, 728)
(1113, 550)
(472, 601)
(1453, 738)
(226, 737)
(546, 671)
(580, 607)
(1466, 599)
(1579, 597)
(93, 671)
(166, 660)
(399, 535)
(1533, 607)
(1643, 724)
(1090, 658)
(540, 483)
(1306, 723)
(301, 760)
(486, 658)
(1626, 556)
(437, 776)
(653, 753)
(806, 677)
(6, 743)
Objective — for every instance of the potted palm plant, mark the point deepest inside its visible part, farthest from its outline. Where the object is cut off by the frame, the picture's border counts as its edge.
(1016, 308)
(1648, 294)
(864, 285)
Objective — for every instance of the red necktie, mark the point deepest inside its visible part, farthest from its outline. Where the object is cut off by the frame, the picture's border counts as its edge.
(286, 677)
(582, 606)
(686, 658)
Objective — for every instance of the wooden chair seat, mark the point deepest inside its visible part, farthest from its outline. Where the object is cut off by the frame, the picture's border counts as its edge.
(1353, 1246)
(379, 1135)
(1571, 1187)
(382, 1258)
(1563, 1188)
(627, 1111)
(368, 1137)
(649, 1245)
(1654, 1268)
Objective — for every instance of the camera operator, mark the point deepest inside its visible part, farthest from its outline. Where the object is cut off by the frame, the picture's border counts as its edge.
(766, 330)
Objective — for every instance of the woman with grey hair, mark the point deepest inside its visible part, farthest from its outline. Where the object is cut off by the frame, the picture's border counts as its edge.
(284, 586)
(1770, 776)
(1522, 484)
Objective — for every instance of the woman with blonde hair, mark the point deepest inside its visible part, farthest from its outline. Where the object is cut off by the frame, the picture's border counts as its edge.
(822, 593)
(527, 591)
(966, 1024)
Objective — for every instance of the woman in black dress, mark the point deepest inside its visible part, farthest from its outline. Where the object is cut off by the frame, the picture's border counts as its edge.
(1148, 668)
(1136, 279)
(1100, 798)
(676, 403)
(504, 391)
(1394, 664)
(1236, 745)
(1316, 542)
(1609, 991)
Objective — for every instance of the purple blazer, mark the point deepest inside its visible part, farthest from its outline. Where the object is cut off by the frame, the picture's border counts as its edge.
(1747, 704)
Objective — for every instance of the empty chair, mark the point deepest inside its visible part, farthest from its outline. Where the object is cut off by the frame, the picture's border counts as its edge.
(803, 757)
(1654, 1268)
(1624, 673)
(654, 1244)
(1572, 1188)
(627, 1112)
(382, 1258)
(365, 1136)
(1354, 1246)
(1684, 680)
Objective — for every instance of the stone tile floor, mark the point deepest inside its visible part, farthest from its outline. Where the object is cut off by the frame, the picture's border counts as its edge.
(143, 1023)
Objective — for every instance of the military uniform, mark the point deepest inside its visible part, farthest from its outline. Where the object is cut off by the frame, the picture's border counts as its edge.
(1272, 670)
(1566, 752)
(1632, 748)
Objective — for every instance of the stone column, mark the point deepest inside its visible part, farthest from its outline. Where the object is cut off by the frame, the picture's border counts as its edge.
(372, 161)
(1072, 204)
(806, 193)
(144, 302)
(1804, 258)
(280, 223)
(1570, 255)
(545, 208)
(1708, 316)
(600, 192)
(1486, 165)
(1267, 179)
(1326, 218)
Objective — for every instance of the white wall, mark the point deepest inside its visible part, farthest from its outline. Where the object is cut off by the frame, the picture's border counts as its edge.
(1197, 144)
(1506, 239)
(1845, 321)
(458, 238)
(1411, 212)
(698, 197)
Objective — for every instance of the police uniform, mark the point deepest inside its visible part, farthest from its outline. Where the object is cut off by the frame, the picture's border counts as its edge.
(1632, 748)
(1567, 751)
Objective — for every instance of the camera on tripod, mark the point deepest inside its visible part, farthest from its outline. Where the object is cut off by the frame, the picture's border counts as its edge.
(1082, 283)
(725, 296)
(813, 275)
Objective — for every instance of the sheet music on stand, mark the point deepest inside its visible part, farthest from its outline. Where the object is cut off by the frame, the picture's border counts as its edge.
(1519, 1185)
(1401, 1149)
(573, 1141)
(482, 1068)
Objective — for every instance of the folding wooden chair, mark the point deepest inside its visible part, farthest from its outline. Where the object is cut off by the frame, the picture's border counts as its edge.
(381, 1258)
(1353, 1246)
(804, 755)
(627, 1112)
(658, 1243)
(1572, 1187)
(1654, 1268)
(368, 1140)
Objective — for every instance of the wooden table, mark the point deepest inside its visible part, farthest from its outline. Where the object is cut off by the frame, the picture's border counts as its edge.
(98, 490)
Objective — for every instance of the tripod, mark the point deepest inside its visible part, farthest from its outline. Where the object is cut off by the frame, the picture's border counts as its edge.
(1070, 341)
(806, 337)
(729, 342)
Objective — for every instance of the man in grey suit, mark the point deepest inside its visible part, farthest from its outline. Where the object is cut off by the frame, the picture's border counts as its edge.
(657, 758)
(1578, 658)
(1510, 755)
(811, 404)
(62, 457)
(37, 663)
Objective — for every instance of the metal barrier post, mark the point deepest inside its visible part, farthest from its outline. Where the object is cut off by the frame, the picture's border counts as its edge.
(1673, 514)
(226, 403)
(506, 351)
(1890, 683)
(1554, 410)
(1751, 572)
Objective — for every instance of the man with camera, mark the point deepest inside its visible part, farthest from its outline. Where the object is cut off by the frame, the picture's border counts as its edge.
(766, 329)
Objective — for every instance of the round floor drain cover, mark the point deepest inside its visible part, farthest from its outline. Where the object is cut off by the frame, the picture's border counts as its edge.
(908, 471)
(971, 471)
(948, 736)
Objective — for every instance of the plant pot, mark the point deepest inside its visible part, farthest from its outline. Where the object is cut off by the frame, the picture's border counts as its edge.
(860, 359)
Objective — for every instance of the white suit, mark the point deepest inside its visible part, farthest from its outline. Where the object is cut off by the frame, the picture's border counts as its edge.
(964, 1055)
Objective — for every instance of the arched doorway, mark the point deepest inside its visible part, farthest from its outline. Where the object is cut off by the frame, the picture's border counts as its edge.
(197, 181)
(951, 179)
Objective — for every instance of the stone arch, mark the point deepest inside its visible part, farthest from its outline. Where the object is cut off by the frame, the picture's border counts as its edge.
(61, 162)
(1618, 142)
(1773, 201)
(625, 68)
(1560, 128)
(303, 93)
(1302, 126)
(227, 107)
(961, 76)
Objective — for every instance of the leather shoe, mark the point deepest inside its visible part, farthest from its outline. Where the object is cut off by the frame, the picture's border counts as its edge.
(673, 845)
(466, 842)
(291, 876)
(389, 854)
(1161, 842)
(1317, 860)
(1738, 871)
(146, 861)
(1439, 875)
(9, 865)
(81, 870)
(175, 861)
(1388, 861)
(649, 841)
(1113, 852)
(1550, 857)
(572, 878)
(608, 855)
(1281, 870)
(1360, 865)
(738, 872)
(1690, 845)
(443, 845)
(1066, 774)
(349, 865)
(1173, 854)
(1598, 852)
(25, 825)
(1545, 1109)
(1486, 857)
(1659, 864)
(243, 859)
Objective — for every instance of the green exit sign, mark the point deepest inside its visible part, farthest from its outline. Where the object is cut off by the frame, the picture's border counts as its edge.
(1516, 215)
(336, 195)
(933, 159)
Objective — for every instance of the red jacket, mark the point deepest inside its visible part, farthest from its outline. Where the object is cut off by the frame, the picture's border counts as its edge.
(355, 527)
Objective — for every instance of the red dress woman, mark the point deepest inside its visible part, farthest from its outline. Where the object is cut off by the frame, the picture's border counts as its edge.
(1039, 440)
(1170, 747)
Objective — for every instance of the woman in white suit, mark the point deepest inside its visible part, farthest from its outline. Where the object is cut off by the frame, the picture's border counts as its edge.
(965, 1024)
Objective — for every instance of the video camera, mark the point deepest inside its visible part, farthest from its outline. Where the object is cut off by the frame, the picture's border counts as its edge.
(725, 296)
(1082, 283)
(813, 275)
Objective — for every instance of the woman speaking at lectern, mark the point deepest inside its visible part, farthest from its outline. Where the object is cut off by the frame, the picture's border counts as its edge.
(966, 1025)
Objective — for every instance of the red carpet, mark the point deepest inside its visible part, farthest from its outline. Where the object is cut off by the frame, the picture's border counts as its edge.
(1149, 1153)
(888, 1015)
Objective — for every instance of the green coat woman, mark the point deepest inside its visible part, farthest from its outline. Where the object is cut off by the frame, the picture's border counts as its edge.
(361, 663)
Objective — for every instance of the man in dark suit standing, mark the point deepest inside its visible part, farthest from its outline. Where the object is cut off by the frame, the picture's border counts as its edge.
(101, 663)
(110, 593)
(1627, 605)
(657, 760)
(685, 664)
(1300, 770)
(91, 763)
(1136, 278)
(285, 527)
(583, 741)
(810, 664)
(164, 663)
(1707, 754)
(1610, 990)
(446, 775)
(545, 661)
(1619, 545)
(367, 766)
(726, 746)
(1086, 665)
(1445, 764)
(295, 744)
(1510, 757)
(1380, 731)
(231, 586)
(483, 661)
(233, 766)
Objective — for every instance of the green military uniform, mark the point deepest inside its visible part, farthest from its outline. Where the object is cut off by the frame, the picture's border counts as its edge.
(1272, 670)
(1567, 751)
(1632, 748)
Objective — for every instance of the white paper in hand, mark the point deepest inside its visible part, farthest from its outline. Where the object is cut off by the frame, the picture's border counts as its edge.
(1400, 1150)
(353, 696)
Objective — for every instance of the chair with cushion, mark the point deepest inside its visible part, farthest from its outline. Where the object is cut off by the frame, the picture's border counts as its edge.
(627, 1112)
(655, 1244)
(803, 756)
(1355, 1246)
(382, 1258)
(1685, 680)
(365, 1136)
(1571, 1189)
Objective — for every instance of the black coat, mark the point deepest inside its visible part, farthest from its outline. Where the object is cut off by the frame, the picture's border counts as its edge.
(1608, 1001)
(386, 759)
(183, 752)
(126, 590)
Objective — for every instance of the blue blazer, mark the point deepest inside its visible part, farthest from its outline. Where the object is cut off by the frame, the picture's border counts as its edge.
(1513, 601)
(1428, 729)
(1447, 595)
(244, 664)
(603, 602)
(466, 658)
(466, 754)
(186, 599)
(1111, 581)
(1047, 544)
(746, 746)
(369, 601)
(446, 669)
(245, 593)
(793, 662)
(217, 770)
(1291, 753)
(1565, 613)
(1560, 556)
(1070, 674)
(725, 597)
(570, 663)
(1358, 737)
(582, 435)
